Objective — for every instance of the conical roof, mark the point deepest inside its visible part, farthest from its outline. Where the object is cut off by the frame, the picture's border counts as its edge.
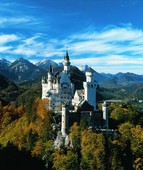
(66, 57)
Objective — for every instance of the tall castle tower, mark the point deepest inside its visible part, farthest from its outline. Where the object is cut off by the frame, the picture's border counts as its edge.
(64, 121)
(90, 88)
(47, 83)
(66, 63)
(50, 78)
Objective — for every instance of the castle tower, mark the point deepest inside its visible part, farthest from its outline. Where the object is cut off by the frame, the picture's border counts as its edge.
(90, 88)
(64, 121)
(105, 115)
(50, 78)
(66, 63)
(44, 88)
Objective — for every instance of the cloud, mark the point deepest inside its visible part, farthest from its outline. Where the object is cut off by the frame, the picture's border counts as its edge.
(6, 38)
(114, 69)
(118, 34)
(107, 60)
(29, 47)
(15, 20)
(112, 40)
(5, 49)
(21, 22)
(123, 60)
(109, 47)
(17, 15)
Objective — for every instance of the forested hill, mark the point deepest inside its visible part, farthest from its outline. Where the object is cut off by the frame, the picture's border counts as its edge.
(9, 91)
(30, 128)
(27, 126)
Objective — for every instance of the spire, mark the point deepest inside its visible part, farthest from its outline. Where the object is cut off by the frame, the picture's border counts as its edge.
(66, 63)
(66, 57)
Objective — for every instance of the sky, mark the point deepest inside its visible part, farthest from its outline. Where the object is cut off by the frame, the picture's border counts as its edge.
(107, 35)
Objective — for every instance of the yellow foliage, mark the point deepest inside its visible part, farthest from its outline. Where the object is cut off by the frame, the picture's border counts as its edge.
(138, 164)
(38, 148)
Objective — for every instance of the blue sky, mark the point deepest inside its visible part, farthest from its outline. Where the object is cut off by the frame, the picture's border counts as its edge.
(105, 34)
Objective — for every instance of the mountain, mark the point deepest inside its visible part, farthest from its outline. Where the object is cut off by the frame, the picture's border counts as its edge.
(98, 76)
(122, 79)
(77, 77)
(107, 75)
(8, 90)
(125, 78)
(4, 67)
(4, 62)
(45, 64)
(23, 70)
(84, 68)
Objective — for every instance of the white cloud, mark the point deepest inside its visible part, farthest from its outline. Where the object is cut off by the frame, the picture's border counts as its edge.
(114, 61)
(120, 47)
(5, 21)
(122, 60)
(5, 49)
(5, 38)
(115, 69)
(112, 41)
(120, 34)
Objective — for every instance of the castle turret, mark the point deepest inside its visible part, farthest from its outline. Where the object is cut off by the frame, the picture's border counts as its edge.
(90, 88)
(105, 115)
(66, 63)
(50, 78)
(44, 88)
(64, 121)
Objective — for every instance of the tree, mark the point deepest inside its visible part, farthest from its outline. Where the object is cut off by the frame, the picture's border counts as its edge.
(137, 146)
(65, 161)
(93, 150)
(75, 136)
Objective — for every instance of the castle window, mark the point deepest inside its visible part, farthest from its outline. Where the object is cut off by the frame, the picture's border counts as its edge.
(91, 85)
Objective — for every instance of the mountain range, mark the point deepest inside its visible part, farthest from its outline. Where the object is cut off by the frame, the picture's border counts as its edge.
(22, 70)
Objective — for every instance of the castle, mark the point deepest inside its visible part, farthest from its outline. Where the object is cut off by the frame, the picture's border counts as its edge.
(73, 104)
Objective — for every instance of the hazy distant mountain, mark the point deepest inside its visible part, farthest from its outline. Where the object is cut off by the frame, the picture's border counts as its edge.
(107, 75)
(98, 76)
(45, 64)
(122, 79)
(23, 70)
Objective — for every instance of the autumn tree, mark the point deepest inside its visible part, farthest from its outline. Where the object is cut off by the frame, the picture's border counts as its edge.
(137, 146)
(65, 161)
(75, 136)
(93, 150)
